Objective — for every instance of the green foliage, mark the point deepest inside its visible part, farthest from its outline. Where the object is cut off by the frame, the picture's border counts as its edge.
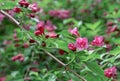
(88, 16)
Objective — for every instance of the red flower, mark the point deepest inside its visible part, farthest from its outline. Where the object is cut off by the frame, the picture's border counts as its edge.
(23, 3)
(81, 43)
(72, 46)
(74, 31)
(98, 41)
(110, 72)
(17, 9)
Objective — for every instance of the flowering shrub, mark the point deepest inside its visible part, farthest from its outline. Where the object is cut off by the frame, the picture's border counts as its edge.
(54, 40)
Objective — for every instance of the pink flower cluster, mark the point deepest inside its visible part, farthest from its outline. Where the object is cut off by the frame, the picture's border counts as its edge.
(41, 26)
(82, 43)
(62, 14)
(111, 72)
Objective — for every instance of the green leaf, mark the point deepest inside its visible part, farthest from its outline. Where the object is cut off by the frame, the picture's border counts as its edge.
(33, 73)
(52, 78)
(95, 68)
(8, 4)
(115, 51)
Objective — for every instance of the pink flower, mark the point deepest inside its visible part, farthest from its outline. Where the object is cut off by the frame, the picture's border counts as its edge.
(72, 46)
(1, 17)
(49, 26)
(110, 72)
(2, 78)
(98, 41)
(74, 31)
(34, 7)
(81, 43)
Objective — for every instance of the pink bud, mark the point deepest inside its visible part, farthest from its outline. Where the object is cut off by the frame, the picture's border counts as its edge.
(72, 46)
(74, 31)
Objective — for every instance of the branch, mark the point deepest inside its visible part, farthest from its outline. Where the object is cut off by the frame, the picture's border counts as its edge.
(49, 54)
(10, 17)
(64, 65)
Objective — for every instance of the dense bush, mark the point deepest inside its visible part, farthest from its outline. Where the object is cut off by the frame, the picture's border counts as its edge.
(59, 40)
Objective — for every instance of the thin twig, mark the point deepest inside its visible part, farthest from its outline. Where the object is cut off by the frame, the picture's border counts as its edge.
(48, 53)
